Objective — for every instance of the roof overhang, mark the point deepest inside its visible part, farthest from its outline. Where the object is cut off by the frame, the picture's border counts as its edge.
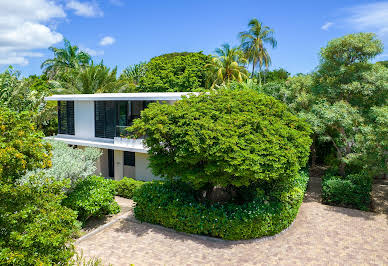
(146, 96)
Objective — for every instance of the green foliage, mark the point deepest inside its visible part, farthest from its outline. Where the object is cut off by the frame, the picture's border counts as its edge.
(175, 72)
(276, 75)
(351, 191)
(92, 196)
(134, 73)
(67, 163)
(21, 147)
(174, 205)
(227, 66)
(252, 43)
(224, 137)
(69, 57)
(35, 228)
(90, 79)
(127, 186)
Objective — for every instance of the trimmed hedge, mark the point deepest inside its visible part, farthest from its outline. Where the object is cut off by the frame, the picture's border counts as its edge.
(93, 196)
(127, 186)
(352, 191)
(174, 205)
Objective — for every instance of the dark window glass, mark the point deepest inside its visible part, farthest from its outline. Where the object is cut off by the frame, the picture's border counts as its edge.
(129, 158)
(66, 117)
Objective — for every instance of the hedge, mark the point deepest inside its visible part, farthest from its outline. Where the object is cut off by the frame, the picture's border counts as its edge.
(127, 186)
(173, 205)
(352, 191)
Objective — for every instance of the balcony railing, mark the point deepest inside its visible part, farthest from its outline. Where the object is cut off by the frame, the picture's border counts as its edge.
(122, 132)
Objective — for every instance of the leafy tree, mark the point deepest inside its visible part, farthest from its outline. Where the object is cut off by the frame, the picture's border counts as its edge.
(69, 57)
(21, 147)
(35, 228)
(252, 43)
(91, 79)
(224, 138)
(175, 72)
(227, 66)
(276, 75)
(67, 164)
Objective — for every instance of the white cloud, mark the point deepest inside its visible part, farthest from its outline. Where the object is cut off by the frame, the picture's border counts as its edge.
(92, 52)
(369, 17)
(107, 40)
(23, 28)
(327, 25)
(85, 9)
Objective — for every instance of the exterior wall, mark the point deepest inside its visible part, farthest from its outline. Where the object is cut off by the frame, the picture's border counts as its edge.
(119, 164)
(129, 171)
(102, 164)
(84, 119)
(142, 172)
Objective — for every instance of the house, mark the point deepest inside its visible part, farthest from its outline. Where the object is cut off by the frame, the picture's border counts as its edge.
(99, 120)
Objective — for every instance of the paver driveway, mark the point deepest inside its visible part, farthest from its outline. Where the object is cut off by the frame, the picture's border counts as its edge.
(320, 235)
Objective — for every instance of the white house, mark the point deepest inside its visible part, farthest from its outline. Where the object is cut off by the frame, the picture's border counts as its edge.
(99, 120)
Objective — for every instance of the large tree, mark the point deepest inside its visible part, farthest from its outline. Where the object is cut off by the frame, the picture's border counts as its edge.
(175, 72)
(228, 65)
(69, 57)
(253, 41)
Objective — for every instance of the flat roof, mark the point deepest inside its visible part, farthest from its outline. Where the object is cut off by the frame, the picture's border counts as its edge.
(143, 96)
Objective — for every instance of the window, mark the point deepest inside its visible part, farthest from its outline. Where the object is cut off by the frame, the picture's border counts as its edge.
(105, 119)
(129, 158)
(66, 117)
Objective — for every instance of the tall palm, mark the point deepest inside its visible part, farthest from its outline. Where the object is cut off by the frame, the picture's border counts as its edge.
(228, 65)
(134, 73)
(66, 58)
(252, 43)
(91, 79)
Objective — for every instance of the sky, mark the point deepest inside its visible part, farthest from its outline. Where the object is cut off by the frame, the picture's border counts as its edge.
(126, 32)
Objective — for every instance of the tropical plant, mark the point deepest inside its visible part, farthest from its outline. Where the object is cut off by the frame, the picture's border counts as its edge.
(134, 73)
(225, 138)
(252, 43)
(91, 79)
(21, 147)
(67, 163)
(69, 57)
(175, 72)
(227, 66)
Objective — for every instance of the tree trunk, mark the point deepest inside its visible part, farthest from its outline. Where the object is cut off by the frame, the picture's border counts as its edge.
(253, 69)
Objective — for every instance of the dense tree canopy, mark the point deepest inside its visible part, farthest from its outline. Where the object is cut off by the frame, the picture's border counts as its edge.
(225, 137)
(175, 72)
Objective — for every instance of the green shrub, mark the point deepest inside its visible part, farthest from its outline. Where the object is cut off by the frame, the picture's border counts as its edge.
(173, 204)
(224, 138)
(351, 191)
(127, 186)
(93, 196)
(35, 228)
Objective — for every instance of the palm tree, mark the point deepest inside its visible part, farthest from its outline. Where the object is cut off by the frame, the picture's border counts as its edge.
(228, 65)
(134, 73)
(64, 59)
(252, 43)
(90, 79)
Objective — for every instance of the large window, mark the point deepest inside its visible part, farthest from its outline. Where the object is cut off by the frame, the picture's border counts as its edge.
(66, 117)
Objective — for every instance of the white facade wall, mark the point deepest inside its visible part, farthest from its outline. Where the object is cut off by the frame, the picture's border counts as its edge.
(142, 172)
(84, 119)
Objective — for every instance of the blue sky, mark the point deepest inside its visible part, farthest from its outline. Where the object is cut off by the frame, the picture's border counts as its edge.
(127, 32)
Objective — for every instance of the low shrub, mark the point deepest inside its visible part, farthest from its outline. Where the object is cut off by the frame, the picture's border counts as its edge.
(35, 228)
(173, 204)
(352, 191)
(127, 186)
(93, 196)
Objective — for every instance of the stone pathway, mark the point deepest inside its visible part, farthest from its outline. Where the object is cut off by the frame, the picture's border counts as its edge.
(320, 235)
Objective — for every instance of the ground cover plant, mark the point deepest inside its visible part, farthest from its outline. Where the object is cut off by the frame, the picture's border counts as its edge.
(93, 196)
(224, 145)
(126, 187)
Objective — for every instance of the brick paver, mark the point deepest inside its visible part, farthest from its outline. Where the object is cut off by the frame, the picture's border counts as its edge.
(320, 235)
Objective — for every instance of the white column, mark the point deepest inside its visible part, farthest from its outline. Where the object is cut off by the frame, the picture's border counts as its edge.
(119, 164)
